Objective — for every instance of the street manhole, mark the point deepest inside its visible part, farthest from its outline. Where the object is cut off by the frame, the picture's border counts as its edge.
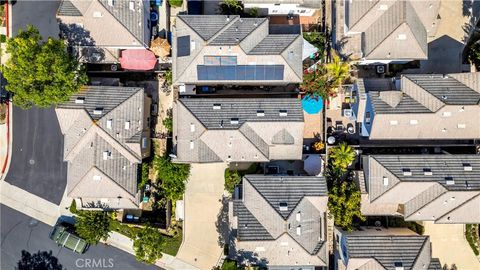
(33, 223)
(31, 161)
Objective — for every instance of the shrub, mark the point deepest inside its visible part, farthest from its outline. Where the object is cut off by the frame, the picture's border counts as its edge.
(93, 226)
(344, 204)
(232, 178)
(471, 233)
(173, 176)
(175, 3)
(148, 245)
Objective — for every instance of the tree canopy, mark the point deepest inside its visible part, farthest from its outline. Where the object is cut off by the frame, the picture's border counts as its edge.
(341, 156)
(232, 178)
(172, 176)
(41, 73)
(231, 7)
(148, 245)
(344, 204)
(93, 226)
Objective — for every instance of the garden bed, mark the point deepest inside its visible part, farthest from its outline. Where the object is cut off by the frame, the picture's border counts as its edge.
(472, 235)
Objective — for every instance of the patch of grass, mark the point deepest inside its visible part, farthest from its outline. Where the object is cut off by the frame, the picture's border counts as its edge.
(173, 243)
(127, 230)
(3, 113)
(73, 208)
(471, 233)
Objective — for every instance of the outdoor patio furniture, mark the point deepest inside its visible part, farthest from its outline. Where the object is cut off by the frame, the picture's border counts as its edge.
(350, 129)
(339, 126)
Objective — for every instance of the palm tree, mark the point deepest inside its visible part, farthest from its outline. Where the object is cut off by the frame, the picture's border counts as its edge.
(337, 71)
(342, 156)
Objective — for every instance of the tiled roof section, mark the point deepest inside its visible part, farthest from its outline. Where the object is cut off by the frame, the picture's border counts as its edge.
(287, 189)
(358, 9)
(249, 228)
(435, 264)
(68, 9)
(387, 250)
(401, 12)
(206, 26)
(463, 171)
(132, 20)
(256, 140)
(446, 89)
(95, 97)
(273, 44)
(230, 111)
(406, 105)
(236, 32)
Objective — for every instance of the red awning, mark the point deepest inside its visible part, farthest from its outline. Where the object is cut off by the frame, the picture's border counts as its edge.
(138, 59)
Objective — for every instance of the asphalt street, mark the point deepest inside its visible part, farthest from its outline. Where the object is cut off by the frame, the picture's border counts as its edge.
(40, 13)
(37, 164)
(20, 232)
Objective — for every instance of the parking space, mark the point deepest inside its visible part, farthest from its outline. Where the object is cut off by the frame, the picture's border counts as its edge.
(203, 203)
(20, 232)
(37, 165)
(40, 13)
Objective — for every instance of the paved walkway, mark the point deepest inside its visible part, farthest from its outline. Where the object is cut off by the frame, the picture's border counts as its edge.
(203, 197)
(450, 245)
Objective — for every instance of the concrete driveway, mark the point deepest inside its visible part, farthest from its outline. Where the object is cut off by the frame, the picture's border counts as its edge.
(36, 164)
(20, 232)
(203, 203)
(450, 245)
(41, 14)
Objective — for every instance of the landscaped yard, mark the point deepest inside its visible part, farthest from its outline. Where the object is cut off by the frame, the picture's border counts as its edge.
(472, 235)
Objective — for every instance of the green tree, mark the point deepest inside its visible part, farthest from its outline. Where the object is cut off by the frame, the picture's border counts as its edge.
(337, 71)
(317, 39)
(93, 226)
(344, 204)
(315, 82)
(474, 53)
(39, 72)
(148, 245)
(341, 156)
(231, 7)
(232, 178)
(175, 3)
(172, 177)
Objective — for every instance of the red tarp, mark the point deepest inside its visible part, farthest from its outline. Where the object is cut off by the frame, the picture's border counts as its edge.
(138, 59)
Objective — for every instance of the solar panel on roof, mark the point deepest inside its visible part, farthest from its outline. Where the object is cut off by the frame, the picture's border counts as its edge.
(240, 73)
(183, 46)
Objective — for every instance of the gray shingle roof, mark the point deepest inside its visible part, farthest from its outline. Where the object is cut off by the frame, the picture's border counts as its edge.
(446, 89)
(289, 189)
(273, 44)
(206, 26)
(387, 250)
(249, 229)
(236, 32)
(356, 10)
(68, 9)
(435, 264)
(105, 97)
(242, 110)
(132, 20)
(443, 167)
(406, 105)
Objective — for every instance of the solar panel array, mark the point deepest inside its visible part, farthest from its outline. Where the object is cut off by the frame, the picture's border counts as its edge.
(220, 60)
(183, 46)
(240, 72)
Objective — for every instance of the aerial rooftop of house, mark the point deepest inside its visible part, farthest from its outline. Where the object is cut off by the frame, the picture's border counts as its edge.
(440, 188)
(105, 139)
(282, 219)
(105, 25)
(237, 129)
(429, 106)
(219, 49)
(386, 30)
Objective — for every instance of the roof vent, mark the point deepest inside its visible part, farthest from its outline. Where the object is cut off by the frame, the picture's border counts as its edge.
(283, 206)
(260, 113)
(283, 113)
(449, 180)
(398, 266)
(234, 121)
(298, 216)
(127, 124)
(445, 76)
(97, 177)
(106, 155)
(217, 106)
(427, 171)
(227, 18)
(407, 172)
(80, 100)
(444, 97)
(192, 145)
(299, 230)
(109, 123)
(385, 181)
(98, 111)
(467, 167)
(221, 124)
(110, 3)
(131, 5)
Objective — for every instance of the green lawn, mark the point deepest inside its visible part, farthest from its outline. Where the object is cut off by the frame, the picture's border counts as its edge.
(173, 243)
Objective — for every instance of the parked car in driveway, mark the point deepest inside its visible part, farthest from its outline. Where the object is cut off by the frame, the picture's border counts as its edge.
(63, 235)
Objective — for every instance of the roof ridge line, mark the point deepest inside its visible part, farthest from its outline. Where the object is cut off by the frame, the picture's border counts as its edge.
(425, 90)
(225, 27)
(366, 14)
(430, 202)
(421, 249)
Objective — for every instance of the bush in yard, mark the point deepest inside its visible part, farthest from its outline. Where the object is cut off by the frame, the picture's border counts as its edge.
(344, 204)
(175, 3)
(93, 226)
(172, 176)
(341, 156)
(41, 73)
(148, 245)
(231, 7)
(232, 178)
